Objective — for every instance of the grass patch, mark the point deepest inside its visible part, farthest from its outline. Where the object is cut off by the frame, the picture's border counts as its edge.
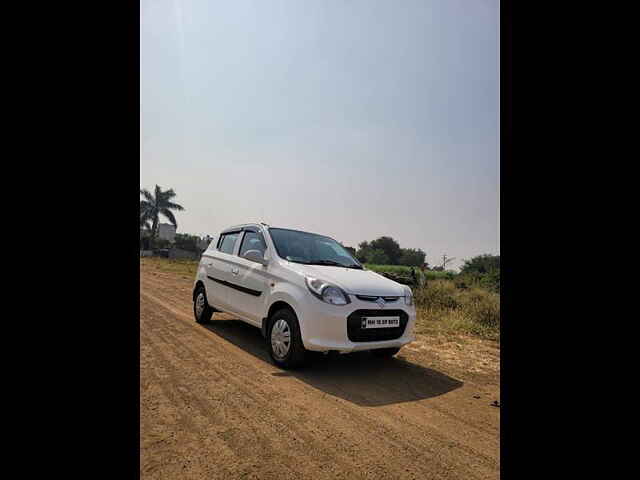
(180, 267)
(443, 308)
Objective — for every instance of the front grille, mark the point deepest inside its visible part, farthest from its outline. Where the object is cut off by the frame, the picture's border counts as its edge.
(373, 298)
(356, 333)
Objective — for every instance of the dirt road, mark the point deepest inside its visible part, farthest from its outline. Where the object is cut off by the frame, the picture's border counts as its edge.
(213, 406)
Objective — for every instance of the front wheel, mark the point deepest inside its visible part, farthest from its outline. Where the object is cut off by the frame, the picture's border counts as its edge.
(284, 341)
(385, 352)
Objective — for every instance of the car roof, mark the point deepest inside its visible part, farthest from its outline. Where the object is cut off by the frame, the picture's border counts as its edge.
(244, 226)
(261, 225)
(301, 231)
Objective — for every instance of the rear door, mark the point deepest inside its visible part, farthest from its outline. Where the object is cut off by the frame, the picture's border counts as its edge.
(218, 268)
(248, 294)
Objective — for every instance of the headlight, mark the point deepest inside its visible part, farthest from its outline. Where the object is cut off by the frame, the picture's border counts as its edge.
(327, 292)
(408, 297)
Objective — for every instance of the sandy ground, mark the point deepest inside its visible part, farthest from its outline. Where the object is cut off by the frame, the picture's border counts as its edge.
(214, 406)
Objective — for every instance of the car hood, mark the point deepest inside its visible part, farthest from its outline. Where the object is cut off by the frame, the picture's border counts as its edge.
(351, 280)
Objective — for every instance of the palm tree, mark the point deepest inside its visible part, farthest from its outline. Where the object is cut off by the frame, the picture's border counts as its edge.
(145, 222)
(154, 205)
(145, 229)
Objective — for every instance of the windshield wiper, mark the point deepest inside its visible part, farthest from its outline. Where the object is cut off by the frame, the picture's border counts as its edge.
(298, 261)
(336, 264)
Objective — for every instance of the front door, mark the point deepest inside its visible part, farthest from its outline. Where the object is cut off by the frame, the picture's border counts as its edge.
(248, 296)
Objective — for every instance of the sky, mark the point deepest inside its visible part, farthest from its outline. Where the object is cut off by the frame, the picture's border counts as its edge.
(349, 118)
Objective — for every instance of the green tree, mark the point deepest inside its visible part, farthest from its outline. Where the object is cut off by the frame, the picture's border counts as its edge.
(363, 245)
(145, 230)
(363, 252)
(377, 256)
(390, 247)
(158, 204)
(145, 223)
(412, 257)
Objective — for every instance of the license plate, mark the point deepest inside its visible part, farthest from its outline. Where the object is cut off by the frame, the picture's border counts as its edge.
(380, 322)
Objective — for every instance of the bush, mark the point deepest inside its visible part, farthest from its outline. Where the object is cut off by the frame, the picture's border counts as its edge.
(489, 281)
(481, 264)
(437, 294)
(483, 307)
(187, 242)
(482, 271)
(159, 243)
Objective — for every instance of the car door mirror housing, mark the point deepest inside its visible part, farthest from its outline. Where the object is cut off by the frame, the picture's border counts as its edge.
(255, 256)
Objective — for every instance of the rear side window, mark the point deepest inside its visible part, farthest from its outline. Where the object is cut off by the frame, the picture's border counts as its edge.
(252, 241)
(227, 242)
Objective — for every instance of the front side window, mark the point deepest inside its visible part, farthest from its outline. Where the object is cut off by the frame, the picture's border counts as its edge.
(311, 249)
(227, 242)
(252, 241)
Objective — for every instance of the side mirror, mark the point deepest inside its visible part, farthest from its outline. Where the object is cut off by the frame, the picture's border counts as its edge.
(255, 256)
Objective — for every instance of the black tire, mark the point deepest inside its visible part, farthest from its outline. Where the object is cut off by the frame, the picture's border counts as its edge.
(207, 311)
(385, 352)
(296, 356)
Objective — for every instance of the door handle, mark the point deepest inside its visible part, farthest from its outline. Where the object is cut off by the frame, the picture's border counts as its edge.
(234, 271)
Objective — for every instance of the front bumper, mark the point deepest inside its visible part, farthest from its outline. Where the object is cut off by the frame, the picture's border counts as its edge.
(325, 327)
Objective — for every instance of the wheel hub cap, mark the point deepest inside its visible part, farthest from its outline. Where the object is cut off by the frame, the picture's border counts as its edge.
(280, 338)
(199, 304)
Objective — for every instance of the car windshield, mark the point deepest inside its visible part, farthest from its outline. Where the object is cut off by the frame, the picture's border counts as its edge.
(311, 249)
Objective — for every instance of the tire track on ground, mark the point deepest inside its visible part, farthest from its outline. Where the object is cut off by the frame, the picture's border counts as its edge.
(205, 419)
(389, 426)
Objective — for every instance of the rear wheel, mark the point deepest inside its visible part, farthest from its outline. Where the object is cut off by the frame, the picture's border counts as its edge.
(385, 352)
(284, 341)
(201, 309)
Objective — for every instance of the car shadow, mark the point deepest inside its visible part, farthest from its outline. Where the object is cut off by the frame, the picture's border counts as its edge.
(357, 377)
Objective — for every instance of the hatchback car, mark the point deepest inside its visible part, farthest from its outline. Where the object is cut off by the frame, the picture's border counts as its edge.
(304, 291)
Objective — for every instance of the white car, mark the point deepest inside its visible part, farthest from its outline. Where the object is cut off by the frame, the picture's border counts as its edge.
(304, 291)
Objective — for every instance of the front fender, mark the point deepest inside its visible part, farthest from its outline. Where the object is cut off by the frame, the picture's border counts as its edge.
(292, 296)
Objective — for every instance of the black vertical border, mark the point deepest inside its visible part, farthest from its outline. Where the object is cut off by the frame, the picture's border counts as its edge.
(135, 250)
